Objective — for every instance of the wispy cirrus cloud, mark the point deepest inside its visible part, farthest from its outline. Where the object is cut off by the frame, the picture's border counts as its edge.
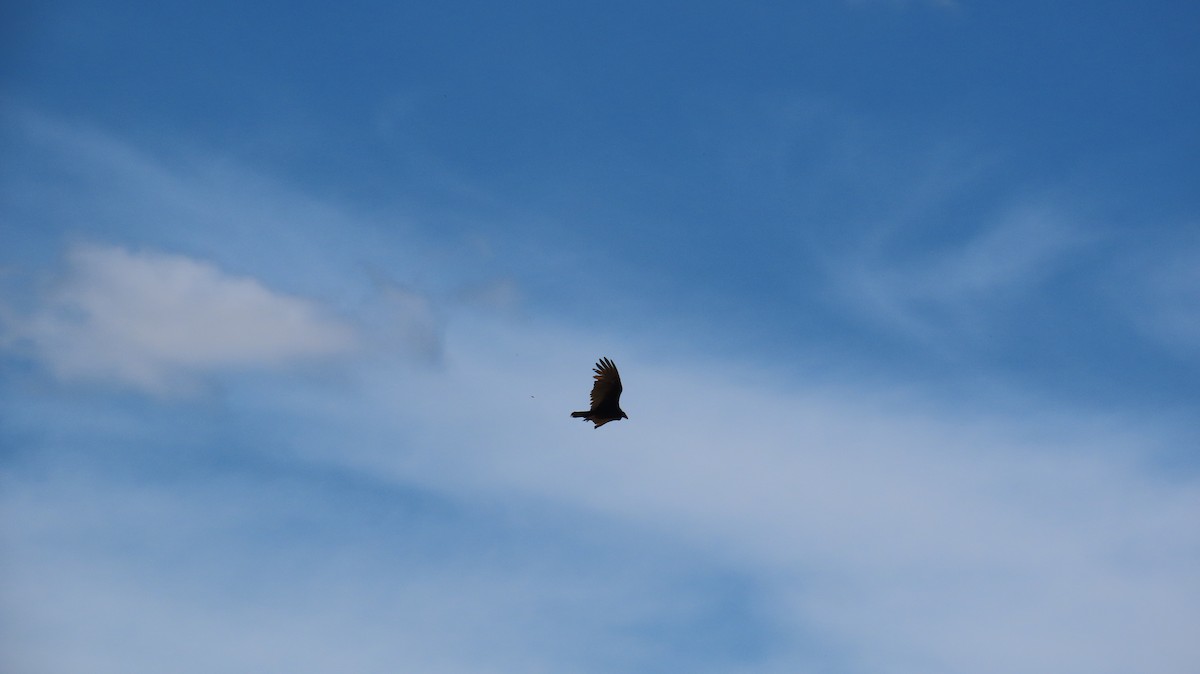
(153, 320)
(1163, 297)
(956, 289)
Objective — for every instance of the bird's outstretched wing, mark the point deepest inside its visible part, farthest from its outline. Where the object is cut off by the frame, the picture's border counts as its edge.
(607, 389)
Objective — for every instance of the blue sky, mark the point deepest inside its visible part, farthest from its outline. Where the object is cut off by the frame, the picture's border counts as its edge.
(295, 301)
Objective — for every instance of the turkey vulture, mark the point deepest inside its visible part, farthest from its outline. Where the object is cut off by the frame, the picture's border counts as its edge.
(606, 396)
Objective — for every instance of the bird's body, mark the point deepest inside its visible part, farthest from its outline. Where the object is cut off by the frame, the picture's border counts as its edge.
(606, 396)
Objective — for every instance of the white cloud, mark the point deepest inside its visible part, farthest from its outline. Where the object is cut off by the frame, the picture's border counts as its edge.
(150, 320)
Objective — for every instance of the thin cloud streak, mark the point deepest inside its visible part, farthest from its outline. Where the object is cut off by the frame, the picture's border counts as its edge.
(82, 184)
(954, 292)
(1164, 301)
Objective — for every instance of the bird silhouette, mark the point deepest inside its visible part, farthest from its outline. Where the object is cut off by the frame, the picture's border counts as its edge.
(606, 396)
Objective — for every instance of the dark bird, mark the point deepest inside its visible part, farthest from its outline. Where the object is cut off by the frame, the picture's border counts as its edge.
(606, 396)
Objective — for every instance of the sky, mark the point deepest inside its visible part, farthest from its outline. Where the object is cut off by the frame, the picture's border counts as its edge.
(296, 299)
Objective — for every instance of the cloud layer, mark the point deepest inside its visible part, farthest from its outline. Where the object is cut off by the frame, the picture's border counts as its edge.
(458, 520)
(455, 519)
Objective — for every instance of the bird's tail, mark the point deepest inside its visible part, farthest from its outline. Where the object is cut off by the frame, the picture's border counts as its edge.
(580, 414)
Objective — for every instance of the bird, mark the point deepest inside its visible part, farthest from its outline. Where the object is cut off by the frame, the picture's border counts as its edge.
(606, 396)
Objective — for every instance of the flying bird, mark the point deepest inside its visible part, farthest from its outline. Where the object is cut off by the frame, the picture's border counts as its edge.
(606, 396)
